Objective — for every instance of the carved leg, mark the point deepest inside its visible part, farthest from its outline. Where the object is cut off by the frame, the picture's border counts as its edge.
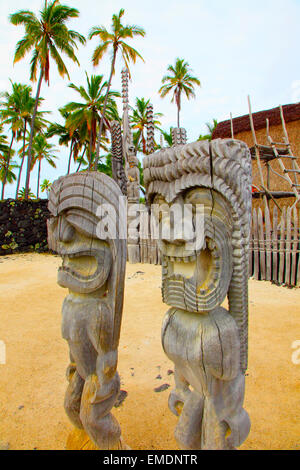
(211, 415)
(99, 395)
(180, 394)
(188, 432)
(73, 395)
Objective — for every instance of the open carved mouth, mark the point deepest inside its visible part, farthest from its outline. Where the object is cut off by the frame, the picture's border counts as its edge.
(201, 267)
(84, 271)
(193, 282)
(82, 265)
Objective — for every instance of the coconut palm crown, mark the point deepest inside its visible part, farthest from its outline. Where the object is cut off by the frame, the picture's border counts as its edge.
(179, 81)
(114, 40)
(47, 36)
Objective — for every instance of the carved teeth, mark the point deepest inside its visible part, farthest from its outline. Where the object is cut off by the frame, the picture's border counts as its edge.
(182, 259)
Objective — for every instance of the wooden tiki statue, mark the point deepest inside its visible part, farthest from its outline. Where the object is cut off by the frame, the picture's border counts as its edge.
(87, 229)
(206, 342)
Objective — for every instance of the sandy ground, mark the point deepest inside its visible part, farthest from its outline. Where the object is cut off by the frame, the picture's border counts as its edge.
(32, 383)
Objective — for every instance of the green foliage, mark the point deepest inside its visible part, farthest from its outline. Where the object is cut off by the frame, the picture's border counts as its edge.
(210, 127)
(21, 194)
(139, 121)
(179, 81)
(115, 40)
(84, 117)
(47, 36)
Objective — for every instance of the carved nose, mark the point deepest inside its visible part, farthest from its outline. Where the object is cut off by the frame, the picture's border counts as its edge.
(65, 230)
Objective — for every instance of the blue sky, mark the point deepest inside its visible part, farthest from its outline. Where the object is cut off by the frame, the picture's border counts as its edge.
(234, 47)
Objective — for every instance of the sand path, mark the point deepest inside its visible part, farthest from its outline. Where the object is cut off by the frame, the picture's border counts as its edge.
(32, 382)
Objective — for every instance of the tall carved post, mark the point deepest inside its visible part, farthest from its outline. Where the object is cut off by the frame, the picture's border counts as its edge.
(118, 171)
(150, 129)
(88, 229)
(210, 183)
(133, 176)
(179, 136)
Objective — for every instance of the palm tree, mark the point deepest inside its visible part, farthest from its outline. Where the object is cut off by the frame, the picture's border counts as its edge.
(139, 121)
(42, 150)
(66, 137)
(179, 81)
(168, 138)
(116, 41)
(22, 192)
(46, 36)
(46, 186)
(40, 122)
(6, 166)
(210, 129)
(85, 116)
(12, 107)
(7, 174)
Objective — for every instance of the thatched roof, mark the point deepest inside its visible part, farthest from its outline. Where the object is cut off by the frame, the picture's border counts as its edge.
(291, 112)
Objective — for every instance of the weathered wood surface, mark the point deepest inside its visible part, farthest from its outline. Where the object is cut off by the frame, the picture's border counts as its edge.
(208, 346)
(269, 245)
(93, 269)
(275, 249)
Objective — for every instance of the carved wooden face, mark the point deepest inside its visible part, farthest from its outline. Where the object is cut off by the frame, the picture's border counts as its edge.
(86, 261)
(196, 277)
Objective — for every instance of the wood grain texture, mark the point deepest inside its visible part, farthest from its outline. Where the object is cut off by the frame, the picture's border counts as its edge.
(207, 344)
(93, 270)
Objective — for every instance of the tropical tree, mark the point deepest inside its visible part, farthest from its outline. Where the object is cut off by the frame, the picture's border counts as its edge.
(46, 186)
(168, 137)
(139, 121)
(42, 150)
(179, 81)
(7, 174)
(85, 116)
(66, 136)
(46, 36)
(10, 113)
(6, 166)
(22, 192)
(210, 129)
(40, 123)
(114, 40)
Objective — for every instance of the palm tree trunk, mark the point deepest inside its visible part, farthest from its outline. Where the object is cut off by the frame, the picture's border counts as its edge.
(178, 108)
(81, 159)
(32, 134)
(104, 109)
(70, 156)
(91, 151)
(38, 181)
(7, 166)
(22, 162)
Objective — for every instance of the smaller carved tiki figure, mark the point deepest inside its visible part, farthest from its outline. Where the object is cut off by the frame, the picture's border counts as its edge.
(133, 177)
(207, 343)
(93, 269)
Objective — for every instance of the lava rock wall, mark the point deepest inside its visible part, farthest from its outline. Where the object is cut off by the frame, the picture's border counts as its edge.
(23, 226)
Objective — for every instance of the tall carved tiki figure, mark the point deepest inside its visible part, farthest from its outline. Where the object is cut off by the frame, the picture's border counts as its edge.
(206, 342)
(87, 229)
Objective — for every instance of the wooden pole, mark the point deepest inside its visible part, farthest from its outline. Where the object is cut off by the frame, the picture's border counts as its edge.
(231, 125)
(256, 148)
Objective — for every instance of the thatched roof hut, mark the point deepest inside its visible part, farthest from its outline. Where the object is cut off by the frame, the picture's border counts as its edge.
(242, 131)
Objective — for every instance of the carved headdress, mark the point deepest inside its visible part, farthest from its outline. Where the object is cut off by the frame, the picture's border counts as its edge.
(78, 197)
(223, 166)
